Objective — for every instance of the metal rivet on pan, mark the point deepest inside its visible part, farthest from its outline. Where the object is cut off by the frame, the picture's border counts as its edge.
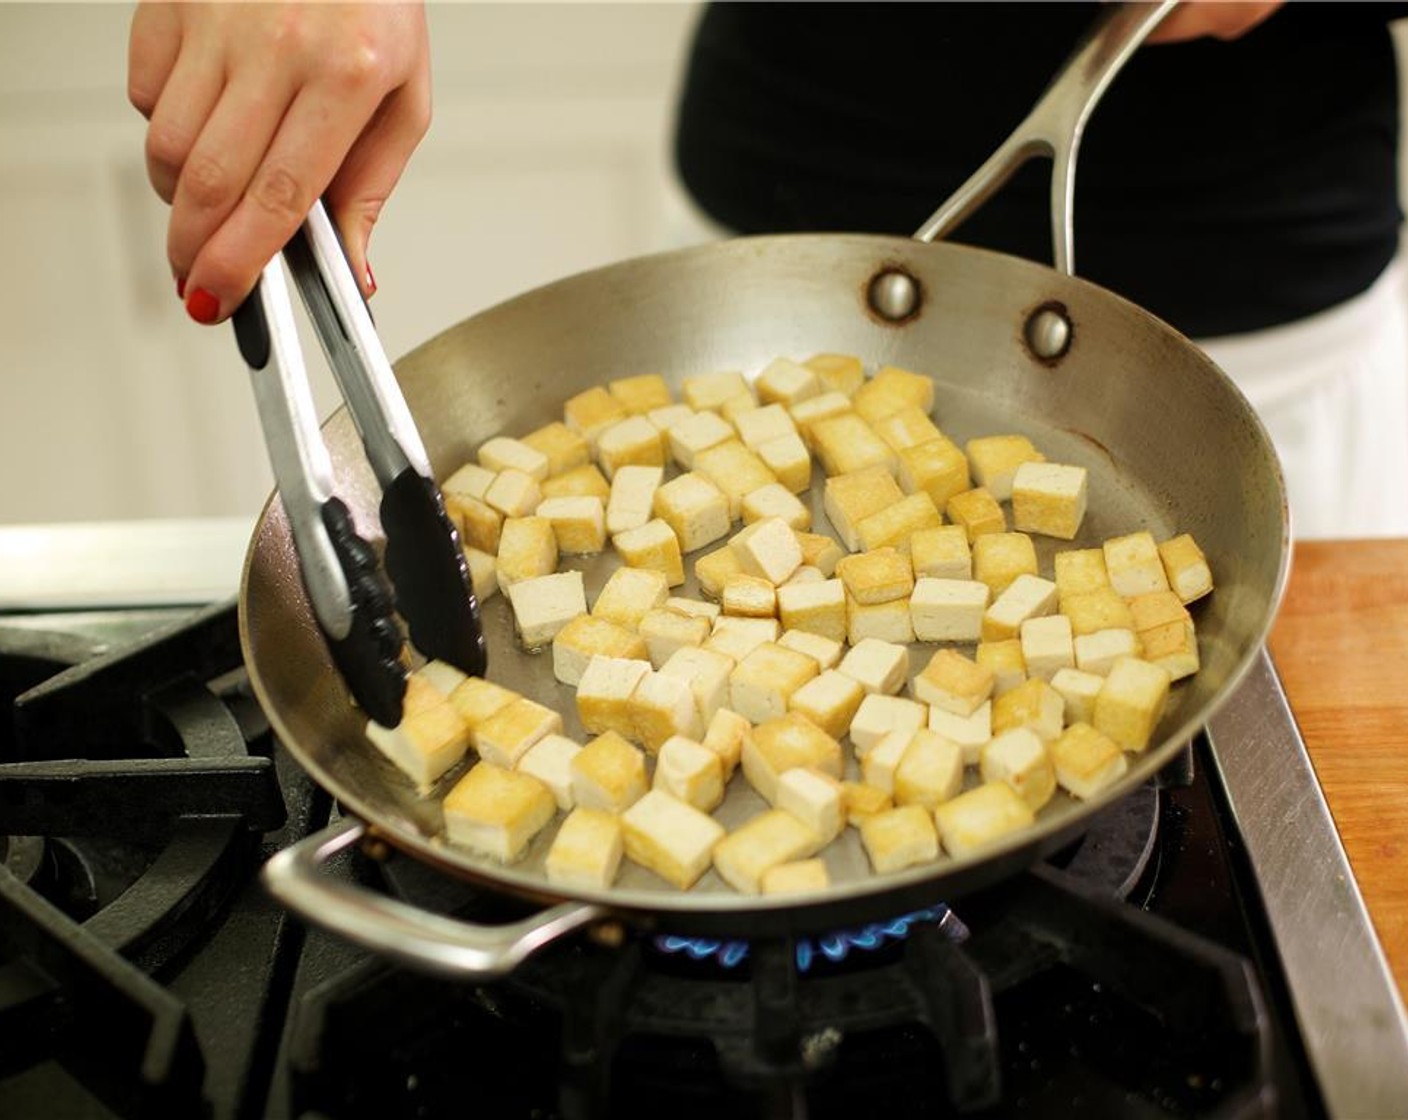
(893, 295)
(1048, 332)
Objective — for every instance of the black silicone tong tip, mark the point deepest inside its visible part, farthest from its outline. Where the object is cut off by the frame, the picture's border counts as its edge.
(369, 656)
(430, 576)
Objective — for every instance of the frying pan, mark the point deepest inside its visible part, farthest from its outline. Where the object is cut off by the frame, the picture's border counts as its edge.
(1013, 346)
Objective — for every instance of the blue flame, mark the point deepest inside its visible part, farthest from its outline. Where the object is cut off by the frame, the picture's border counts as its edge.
(833, 946)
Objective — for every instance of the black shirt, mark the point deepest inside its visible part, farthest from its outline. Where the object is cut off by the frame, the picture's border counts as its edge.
(1225, 186)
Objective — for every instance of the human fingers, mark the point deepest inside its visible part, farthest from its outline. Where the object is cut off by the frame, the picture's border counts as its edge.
(153, 43)
(186, 100)
(1195, 19)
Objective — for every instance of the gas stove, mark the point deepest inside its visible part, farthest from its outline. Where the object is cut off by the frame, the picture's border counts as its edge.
(1191, 955)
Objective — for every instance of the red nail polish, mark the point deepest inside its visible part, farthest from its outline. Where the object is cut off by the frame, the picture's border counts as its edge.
(202, 306)
(371, 282)
(181, 287)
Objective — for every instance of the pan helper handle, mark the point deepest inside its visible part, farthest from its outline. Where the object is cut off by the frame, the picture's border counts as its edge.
(1054, 126)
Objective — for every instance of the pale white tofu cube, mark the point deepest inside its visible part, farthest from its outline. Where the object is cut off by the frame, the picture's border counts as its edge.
(1186, 568)
(550, 761)
(769, 549)
(502, 453)
(882, 761)
(1134, 565)
(877, 666)
(483, 573)
(663, 706)
(586, 637)
(604, 694)
(513, 493)
(667, 416)
(788, 458)
(816, 608)
(826, 652)
(632, 500)
(1049, 498)
(587, 851)
(787, 382)
(670, 838)
(695, 509)
(608, 774)
(695, 608)
(578, 523)
(948, 610)
(710, 390)
(700, 432)
(1131, 702)
(930, 772)
(941, 553)
(441, 676)
(878, 715)
(470, 481)
(763, 682)
(738, 637)
(754, 848)
(691, 772)
(424, 745)
(801, 876)
(783, 744)
(634, 442)
(886, 622)
(899, 838)
(1078, 691)
(496, 811)
(807, 574)
(543, 606)
(1047, 645)
(665, 632)
(1018, 757)
(971, 733)
(830, 700)
(1086, 761)
(980, 817)
(775, 500)
(814, 798)
(629, 594)
(727, 733)
(1026, 597)
(1097, 653)
(706, 672)
(757, 426)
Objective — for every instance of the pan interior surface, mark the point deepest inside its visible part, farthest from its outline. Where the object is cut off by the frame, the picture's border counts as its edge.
(1169, 443)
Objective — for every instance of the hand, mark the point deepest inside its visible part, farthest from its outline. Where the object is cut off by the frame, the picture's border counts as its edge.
(1222, 20)
(255, 111)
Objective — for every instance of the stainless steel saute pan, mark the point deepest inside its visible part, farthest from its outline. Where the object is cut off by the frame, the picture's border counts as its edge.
(1170, 445)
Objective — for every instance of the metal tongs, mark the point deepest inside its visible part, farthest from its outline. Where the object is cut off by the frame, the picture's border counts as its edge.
(423, 557)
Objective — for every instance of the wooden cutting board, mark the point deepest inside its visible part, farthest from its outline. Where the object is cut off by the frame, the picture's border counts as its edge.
(1341, 647)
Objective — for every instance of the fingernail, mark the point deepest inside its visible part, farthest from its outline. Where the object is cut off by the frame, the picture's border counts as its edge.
(371, 282)
(202, 306)
(180, 287)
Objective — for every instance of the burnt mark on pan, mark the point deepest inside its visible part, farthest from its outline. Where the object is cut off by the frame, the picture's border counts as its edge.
(893, 296)
(1047, 332)
(1086, 437)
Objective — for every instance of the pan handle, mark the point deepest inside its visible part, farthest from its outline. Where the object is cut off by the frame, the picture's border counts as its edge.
(1053, 128)
(423, 940)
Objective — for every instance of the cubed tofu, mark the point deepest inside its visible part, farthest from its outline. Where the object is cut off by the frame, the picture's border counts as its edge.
(881, 762)
(1186, 568)
(768, 549)
(580, 482)
(632, 500)
(639, 394)
(476, 699)
(563, 448)
(1131, 704)
(1086, 762)
(691, 772)
(735, 407)
(909, 427)
(757, 426)
(691, 437)
(782, 744)
(706, 671)
(604, 694)
(826, 652)
(661, 707)
(653, 546)
(814, 798)
(977, 511)
(483, 573)
(665, 632)
(820, 552)
(860, 801)
(999, 558)
(786, 382)
(891, 389)
(805, 574)
(931, 771)
(842, 373)
(586, 852)
(898, 838)
(849, 499)
(709, 390)
(942, 553)
(1026, 597)
(888, 622)
(667, 416)
(578, 524)
(896, 526)
(878, 715)
(1049, 498)
(953, 683)
(470, 481)
(505, 736)
(713, 570)
(788, 458)
(695, 509)
(513, 493)
(845, 443)
(588, 636)
(1098, 652)
(880, 576)
(727, 733)
(818, 608)
(1004, 658)
(775, 500)
(1079, 570)
(994, 461)
(1157, 608)
(695, 608)
(441, 676)
(830, 700)
(1134, 565)
(496, 811)
(1047, 645)
(800, 876)
(969, 733)
(1018, 758)
(608, 774)
(1033, 704)
(749, 597)
(670, 838)
(550, 761)
(948, 610)
(981, 817)
(877, 666)
(1100, 609)
(591, 412)
(424, 744)
(735, 470)
(480, 525)
(629, 593)
(544, 605)
(738, 637)
(808, 413)
(1173, 646)
(763, 682)
(937, 468)
(502, 453)
(1078, 691)
(527, 550)
(762, 843)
